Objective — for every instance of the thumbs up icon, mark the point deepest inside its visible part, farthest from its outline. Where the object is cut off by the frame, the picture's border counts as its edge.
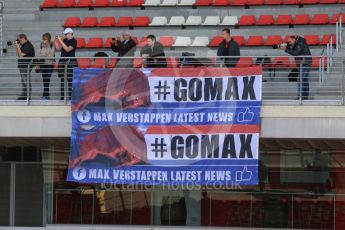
(245, 116)
(244, 175)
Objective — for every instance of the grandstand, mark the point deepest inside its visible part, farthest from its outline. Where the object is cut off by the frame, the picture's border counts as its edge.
(35, 134)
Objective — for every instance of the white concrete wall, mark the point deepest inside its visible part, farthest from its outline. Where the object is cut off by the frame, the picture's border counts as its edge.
(277, 121)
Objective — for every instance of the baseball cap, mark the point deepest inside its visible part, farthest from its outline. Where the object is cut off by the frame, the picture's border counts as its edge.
(68, 31)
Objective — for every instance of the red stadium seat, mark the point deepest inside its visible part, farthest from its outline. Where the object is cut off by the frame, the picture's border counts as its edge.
(50, 4)
(107, 43)
(247, 20)
(335, 18)
(67, 4)
(166, 41)
(84, 3)
(142, 42)
(326, 39)
(281, 62)
(284, 19)
(292, 2)
(255, 41)
(244, 62)
(135, 3)
(99, 63)
(221, 2)
(319, 19)
(273, 40)
(141, 21)
(72, 22)
(287, 37)
(328, 1)
(301, 19)
(238, 2)
(203, 3)
(316, 62)
(101, 3)
(255, 2)
(118, 3)
(135, 39)
(239, 39)
(312, 40)
(124, 21)
(112, 63)
(215, 41)
(310, 2)
(81, 42)
(341, 1)
(89, 22)
(83, 63)
(107, 22)
(274, 2)
(95, 43)
(265, 20)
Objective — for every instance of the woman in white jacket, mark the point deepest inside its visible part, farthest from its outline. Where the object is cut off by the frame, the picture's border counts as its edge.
(46, 54)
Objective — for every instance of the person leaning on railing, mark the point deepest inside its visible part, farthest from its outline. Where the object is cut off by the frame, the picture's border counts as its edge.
(297, 46)
(46, 62)
(24, 50)
(68, 45)
(229, 47)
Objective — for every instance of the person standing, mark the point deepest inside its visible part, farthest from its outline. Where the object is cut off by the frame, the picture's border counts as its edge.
(25, 51)
(46, 55)
(68, 46)
(125, 47)
(297, 46)
(154, 53)
(228, 47)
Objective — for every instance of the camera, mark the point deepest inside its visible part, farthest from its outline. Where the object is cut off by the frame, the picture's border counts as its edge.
(277, 46)
(11, 43)
(113, 39)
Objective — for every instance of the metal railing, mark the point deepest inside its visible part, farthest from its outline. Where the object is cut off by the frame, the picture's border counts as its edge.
(281, 83)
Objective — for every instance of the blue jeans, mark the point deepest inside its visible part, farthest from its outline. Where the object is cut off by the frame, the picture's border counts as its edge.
(305, 83)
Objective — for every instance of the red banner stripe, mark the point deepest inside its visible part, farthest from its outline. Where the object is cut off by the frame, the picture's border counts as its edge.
(206, 72)
(203, 129)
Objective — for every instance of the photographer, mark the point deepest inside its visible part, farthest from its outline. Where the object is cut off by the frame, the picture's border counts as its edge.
(24, 50)
(297, 46)
(125, 47)
(228, 47)
(68, 45)
(46, 61)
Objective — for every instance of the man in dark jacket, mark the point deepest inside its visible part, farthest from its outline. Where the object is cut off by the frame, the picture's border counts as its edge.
(297, 46)
(125, 47)
(25, 51)
(154, 53)
(228, 47)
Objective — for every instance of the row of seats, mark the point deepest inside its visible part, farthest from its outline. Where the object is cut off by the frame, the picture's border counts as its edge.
(172, 62)
(246, 20)
(137, 3)
(90, 3)
(168, 41)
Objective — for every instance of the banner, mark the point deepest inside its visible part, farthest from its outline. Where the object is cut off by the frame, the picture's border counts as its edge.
(189, 126)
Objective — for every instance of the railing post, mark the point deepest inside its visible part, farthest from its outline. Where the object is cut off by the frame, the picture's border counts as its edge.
(331, 51)
(320, 72)
(28, 86)
(300, 81)
(337, 36)
(328, 59)
(341, 30)
(65, 83)
(342, 85)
